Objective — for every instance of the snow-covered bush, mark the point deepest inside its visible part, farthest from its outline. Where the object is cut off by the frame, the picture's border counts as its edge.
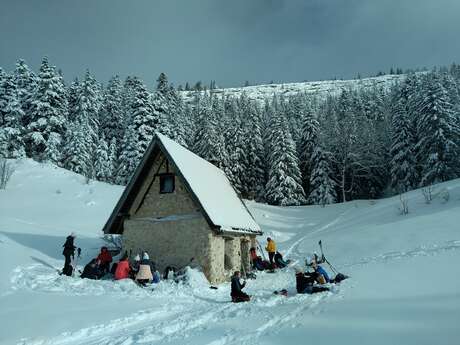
(6, 170)
(428, 194)
(404, 204)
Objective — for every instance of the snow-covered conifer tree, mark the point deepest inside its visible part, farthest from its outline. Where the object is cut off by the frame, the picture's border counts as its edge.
(438, 134)
(321, 183)
(145, 121)
(308, 143)
(11, 142)
(284, 180)
(403, 172)
(26, 82)
(48, 111)
(129, 159)
(111, 114)
(102, 165)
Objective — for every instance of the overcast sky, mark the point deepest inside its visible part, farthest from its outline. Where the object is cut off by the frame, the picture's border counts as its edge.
(230, 41)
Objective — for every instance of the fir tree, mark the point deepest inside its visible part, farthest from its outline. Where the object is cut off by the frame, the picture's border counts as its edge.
(129, 159)
(403, 173)
(439, 135)
(308, 143)
(284, 181)
(11, 142)
(321, 183)
(26, 82)
(103, 165)
(145, 121)
(111, 117)
(48, 112)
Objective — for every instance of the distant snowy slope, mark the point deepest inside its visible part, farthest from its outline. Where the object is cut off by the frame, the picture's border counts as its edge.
(320, 89)
(404, 285)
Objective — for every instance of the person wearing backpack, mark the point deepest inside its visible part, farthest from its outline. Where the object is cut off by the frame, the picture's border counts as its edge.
(145, 276)
(69, 254)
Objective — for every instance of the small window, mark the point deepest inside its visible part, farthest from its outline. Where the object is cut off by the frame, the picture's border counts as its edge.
(166, 183)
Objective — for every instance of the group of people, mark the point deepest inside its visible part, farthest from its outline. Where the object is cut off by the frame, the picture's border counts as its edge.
(275, 259)
(313, 279)
(142, 271)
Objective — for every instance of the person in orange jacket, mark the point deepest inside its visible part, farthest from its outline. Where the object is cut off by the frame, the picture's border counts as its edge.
(123, 269)
(271, 249)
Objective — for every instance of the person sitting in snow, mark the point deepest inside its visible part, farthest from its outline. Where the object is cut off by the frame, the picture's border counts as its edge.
(271, 249)
(92, 270)
(256, 260)
(322, 275)
(279, 261)
(144, 276)
(135, 266)
(305, 282)
(237, 293)
(69, 254)
(104, 258)
(123, 268)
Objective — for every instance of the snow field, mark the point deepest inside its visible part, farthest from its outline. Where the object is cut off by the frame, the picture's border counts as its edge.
(404, 285)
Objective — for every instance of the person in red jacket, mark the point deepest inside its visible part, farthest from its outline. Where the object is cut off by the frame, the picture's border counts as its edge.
(123, 269)
(104, 259)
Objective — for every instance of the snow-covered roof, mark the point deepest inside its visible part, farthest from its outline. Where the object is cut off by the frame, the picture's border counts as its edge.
(212, 188)
(208, 185)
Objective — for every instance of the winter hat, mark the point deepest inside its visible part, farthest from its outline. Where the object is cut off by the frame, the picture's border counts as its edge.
(145, 256)
(137, 258)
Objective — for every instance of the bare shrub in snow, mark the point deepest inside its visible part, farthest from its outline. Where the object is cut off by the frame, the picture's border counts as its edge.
(428, 194)
(114, 241)
(444, 195)
(6, 170)
(404, 204)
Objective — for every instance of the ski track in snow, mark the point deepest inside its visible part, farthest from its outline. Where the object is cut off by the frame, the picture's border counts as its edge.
(294, 247)
(166, 325)
(418, 251)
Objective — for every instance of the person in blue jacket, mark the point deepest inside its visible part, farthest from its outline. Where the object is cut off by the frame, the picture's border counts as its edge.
(318, 269)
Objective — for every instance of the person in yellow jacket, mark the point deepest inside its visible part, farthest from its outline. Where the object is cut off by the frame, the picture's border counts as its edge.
(271, 249)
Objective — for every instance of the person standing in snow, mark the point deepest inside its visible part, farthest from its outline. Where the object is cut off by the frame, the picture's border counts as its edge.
(69, 254)
(237, 293)
(123, 269)
(144, 276)
(104, 259)
(271, 249)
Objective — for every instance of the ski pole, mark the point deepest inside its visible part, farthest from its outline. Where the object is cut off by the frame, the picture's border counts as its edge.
(326, 260)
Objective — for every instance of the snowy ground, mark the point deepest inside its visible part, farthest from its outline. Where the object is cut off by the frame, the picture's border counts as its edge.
(405, 285)
(320, 89)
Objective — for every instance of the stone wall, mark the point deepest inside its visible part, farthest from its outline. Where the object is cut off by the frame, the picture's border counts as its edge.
(170, 243)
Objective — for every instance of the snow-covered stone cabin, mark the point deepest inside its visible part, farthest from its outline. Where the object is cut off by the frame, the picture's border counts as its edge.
(183, 210)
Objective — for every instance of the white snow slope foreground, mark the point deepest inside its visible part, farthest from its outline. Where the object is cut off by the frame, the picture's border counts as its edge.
(404, 286)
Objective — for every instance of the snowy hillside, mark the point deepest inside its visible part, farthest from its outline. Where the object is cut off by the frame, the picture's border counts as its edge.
(320, 89)
(404, 286)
